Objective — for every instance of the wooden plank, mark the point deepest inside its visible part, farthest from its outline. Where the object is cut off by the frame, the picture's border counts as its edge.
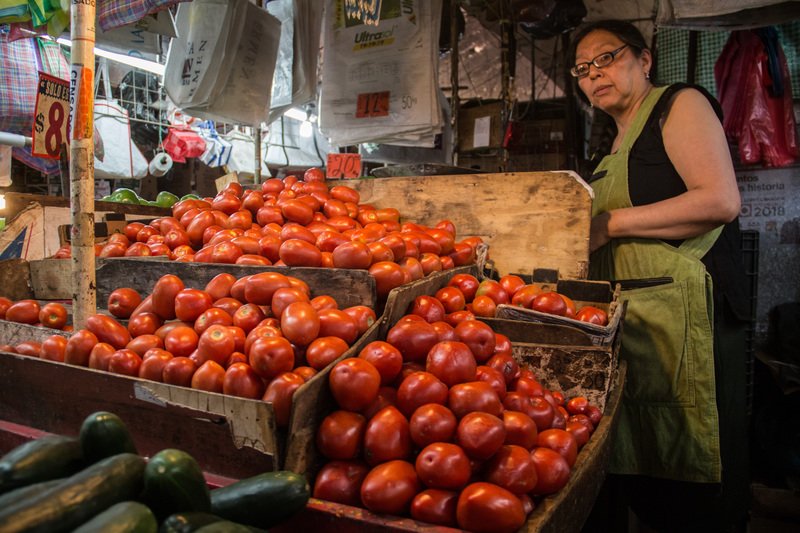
(17, 201)
(529, 219)
(531, 332)
(16, 278)
(51, 279)
(347, 286)
(227, 435)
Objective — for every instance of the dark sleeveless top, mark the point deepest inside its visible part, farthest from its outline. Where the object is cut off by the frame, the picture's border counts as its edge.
(652, 178)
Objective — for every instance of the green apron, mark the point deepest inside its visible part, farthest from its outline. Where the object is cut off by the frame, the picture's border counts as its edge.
(668, 422)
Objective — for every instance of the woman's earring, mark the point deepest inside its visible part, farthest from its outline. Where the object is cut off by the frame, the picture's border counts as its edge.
(647, 75)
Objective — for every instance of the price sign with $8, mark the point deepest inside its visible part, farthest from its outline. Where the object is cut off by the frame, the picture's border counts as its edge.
(51, 117)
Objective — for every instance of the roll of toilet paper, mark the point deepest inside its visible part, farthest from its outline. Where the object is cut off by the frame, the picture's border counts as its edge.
(160, 164)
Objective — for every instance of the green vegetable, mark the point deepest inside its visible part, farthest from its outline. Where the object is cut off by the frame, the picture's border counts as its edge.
(104, 434)
(125, 196)
(27, 492)
(166, 199)
(263, 500)
(229, 527)
(187, 522)
(123, 517)
(190, 196)
(49, 457)
(79, 498)
(174, 483)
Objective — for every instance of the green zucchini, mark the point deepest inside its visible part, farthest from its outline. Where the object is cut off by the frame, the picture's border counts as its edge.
(227, 526)
(187, 522)
(79, 498)
(49, 457)
(123, 517)
(27, 492)
(263, 500)
(104, 434)
(174, 483)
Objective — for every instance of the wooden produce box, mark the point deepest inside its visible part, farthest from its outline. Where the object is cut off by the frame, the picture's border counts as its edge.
(528, 219)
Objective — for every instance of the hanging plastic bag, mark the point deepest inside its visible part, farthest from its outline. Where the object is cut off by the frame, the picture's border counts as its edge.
(242, 155)
(218, 150)
(122, 159)
(182, 143)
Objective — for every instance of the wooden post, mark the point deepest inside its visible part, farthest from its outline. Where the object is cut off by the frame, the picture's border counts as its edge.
(81, 165)
(257, 168)
(455, 103)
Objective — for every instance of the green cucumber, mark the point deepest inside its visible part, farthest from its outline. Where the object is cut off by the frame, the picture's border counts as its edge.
(27, 492)
(227, 526)
(187, 522)
(174, 483)
(103, 435)
(49, 457)
(78, 498)
(263, 500)
(123, 517)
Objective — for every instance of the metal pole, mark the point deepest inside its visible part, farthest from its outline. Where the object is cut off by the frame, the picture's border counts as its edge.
(455, 103)
(257, 168)
(12, 139)
(81, 165)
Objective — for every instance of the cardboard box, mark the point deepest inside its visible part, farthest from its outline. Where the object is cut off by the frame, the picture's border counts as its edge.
(480, 127)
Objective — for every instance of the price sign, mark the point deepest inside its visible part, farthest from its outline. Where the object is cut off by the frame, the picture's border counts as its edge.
(372, 105)
(343, 166)
(51, 117)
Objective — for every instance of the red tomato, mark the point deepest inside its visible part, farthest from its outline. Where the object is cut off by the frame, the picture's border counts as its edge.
(259, 288)
(99, 356)
(138, 249)
(53, 348)
(108, 330)
(340, 482)
(285, 296)
(592, 315)
(386, 358)
(494, 378)
(164, 292)
(506, 365)
(143, 343)
(53, 315)
(443, 465)
(180, 341)
(271, 356)
(542, 413)
(484, 306)
(413, 338)
(466, 283)
(389, 488)
(520, 429)
(144, 324)
(241, 380)
(387, 437)
(216, 344)
(480, 435)
(132, 229)
(354, 383)
(122, 302)
(594, 413)
(571, 309)
(474, 396)
(279, 393)
(577, 405)
(552, 471)
(413, 267)
(345, 194)
(247, 317)
(324, 350)
(502, 344)
(431, 423)
(125, 362)
(452, 299)
(493, 290)
(485, 507)
(444, 331)
(79, 347)
(525, 295)
(297, 252)
(560, 441)
(352, 254)
(300, 323)
(580, 431)
(462, 254)
(380, 252)
(364, 317)
(220, 286)
(435, 506)
(480, 338)
(153, 364)
(428, 307)
(341, 435)
(452, 362)
(191, 303)
(29, 348)
(511, 283)
(337, 323)
(305, 372)
(511, 468)
(549, 302)
(420, 388)
(211, 317)
(24, 312)
(388, 275)
(457, 317)
(5, 303)
(297, 211)
(179, 371)
(528, 387)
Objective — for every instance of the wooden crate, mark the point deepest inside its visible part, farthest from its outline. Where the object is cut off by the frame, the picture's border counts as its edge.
(527, 218)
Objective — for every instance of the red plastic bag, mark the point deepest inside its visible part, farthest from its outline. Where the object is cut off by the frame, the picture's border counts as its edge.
(183, 143)
(761, 122)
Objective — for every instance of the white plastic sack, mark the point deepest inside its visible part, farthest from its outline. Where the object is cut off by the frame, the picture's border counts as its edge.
(218, 150)
(221, 65)
(243, 150)
(122, 158)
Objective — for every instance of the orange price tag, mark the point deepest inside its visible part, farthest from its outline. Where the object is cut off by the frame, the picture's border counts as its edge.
(373, 105)
(343, 166)
(50, 117)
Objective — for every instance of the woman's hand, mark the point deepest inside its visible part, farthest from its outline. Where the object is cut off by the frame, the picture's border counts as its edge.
(598, 235)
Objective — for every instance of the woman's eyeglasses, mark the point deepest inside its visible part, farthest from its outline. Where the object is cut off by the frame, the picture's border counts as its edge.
(603, 60)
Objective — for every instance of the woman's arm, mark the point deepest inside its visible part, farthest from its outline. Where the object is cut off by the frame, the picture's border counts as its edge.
(695, 143)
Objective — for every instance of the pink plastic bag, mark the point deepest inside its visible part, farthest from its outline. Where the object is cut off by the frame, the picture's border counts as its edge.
(762, 123)
(183, 143)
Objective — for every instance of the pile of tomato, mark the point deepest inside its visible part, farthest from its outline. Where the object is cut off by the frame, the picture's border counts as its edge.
(49, 315)
(260, 336)
(296, 222)
(439, 422)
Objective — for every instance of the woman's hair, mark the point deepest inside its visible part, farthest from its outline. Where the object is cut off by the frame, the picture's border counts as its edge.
(624, 31)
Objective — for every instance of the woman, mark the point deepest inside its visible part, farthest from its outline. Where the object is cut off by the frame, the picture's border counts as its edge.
(664, 226)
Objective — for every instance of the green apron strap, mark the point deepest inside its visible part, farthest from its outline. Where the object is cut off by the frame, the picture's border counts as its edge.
(699, 246)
